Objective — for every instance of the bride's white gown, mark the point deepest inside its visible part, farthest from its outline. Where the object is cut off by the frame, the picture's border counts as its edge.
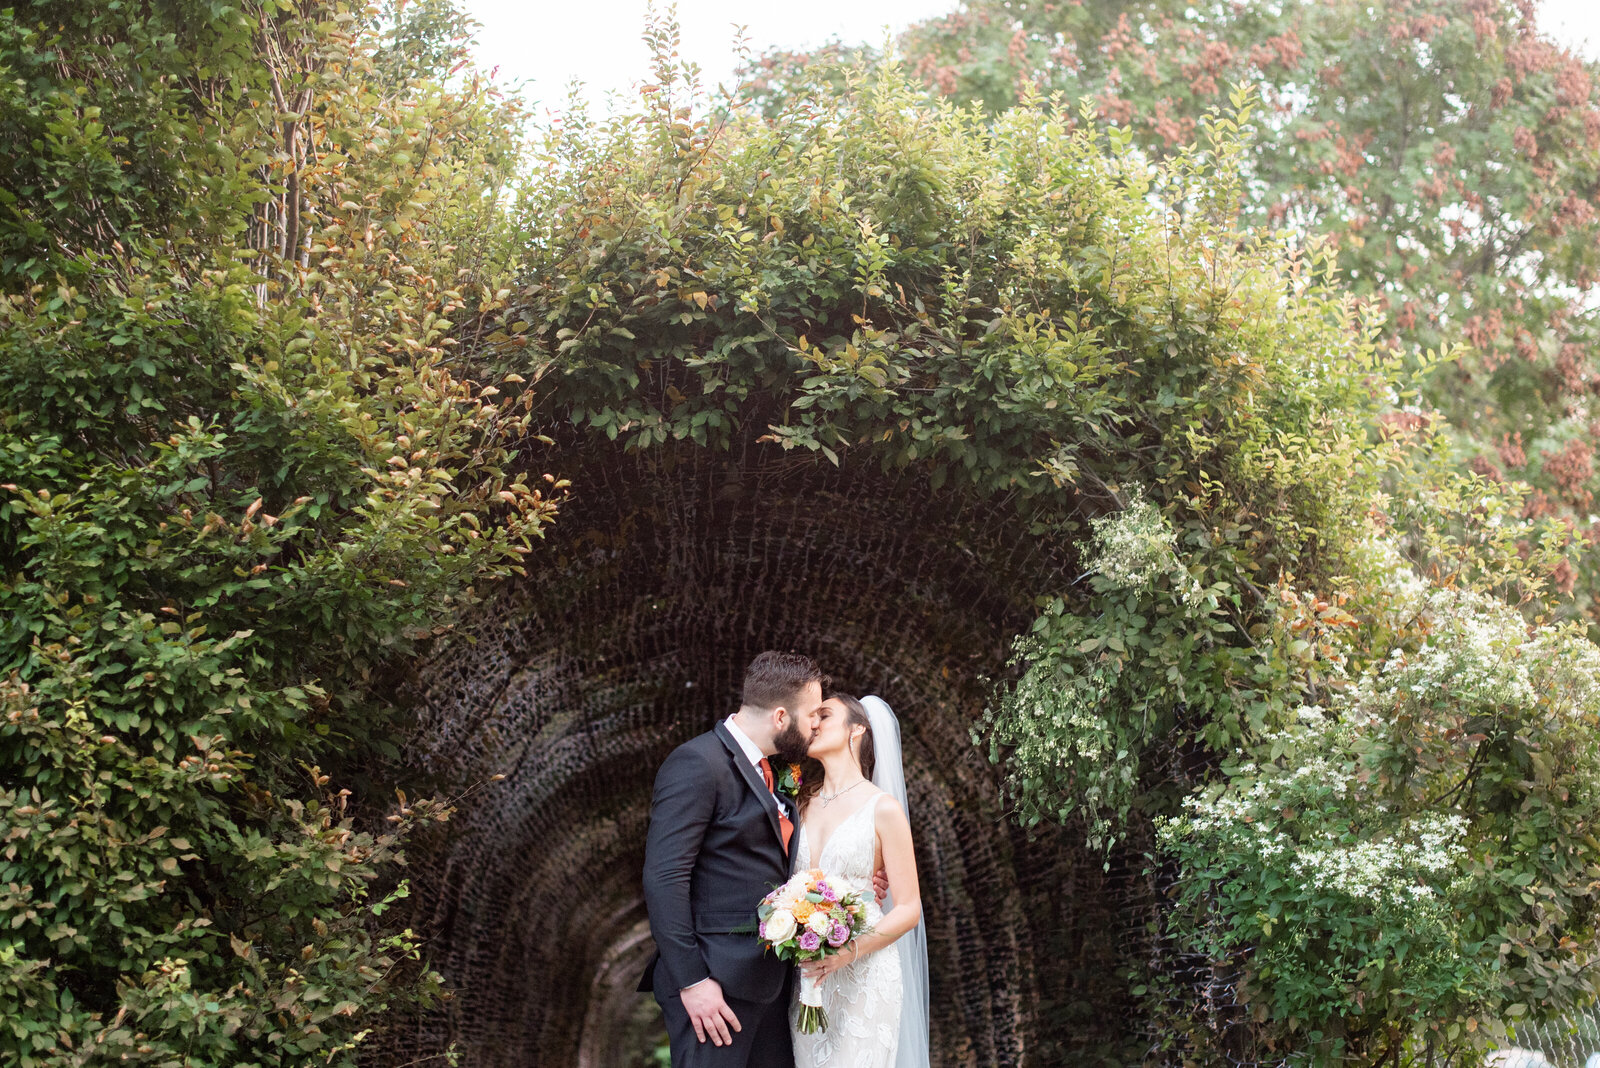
(862, 1000)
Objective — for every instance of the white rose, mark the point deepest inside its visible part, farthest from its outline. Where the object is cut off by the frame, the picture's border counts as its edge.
(820, 922)
(780, 926)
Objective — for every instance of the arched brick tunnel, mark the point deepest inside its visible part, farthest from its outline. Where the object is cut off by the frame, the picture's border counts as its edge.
(662, 577)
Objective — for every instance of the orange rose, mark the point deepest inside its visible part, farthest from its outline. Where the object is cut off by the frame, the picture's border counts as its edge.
(803, 911)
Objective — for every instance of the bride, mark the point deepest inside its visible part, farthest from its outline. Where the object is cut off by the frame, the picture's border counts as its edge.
(853, 823)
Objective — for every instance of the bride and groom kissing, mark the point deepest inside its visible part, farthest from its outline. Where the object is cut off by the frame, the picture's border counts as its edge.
(728, 823)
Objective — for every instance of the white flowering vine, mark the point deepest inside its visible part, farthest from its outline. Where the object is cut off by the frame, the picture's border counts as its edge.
(1420, 847)
(1136, 547)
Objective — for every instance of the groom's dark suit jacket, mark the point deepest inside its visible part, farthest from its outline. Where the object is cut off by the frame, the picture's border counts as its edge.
(714, 850)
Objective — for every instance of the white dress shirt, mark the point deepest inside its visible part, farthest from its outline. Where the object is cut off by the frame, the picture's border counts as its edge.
(753, 751)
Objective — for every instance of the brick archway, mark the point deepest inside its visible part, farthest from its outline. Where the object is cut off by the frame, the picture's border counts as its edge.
(663, 576)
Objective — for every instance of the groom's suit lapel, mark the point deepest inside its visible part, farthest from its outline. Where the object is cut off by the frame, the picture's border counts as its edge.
(752, 778)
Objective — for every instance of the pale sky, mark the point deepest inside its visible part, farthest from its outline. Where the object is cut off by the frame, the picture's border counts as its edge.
(548, 43)
(551, 42)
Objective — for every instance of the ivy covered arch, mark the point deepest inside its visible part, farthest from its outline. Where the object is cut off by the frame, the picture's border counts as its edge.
(857, 386)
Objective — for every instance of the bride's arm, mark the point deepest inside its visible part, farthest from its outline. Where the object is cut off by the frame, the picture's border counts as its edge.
(900, 862)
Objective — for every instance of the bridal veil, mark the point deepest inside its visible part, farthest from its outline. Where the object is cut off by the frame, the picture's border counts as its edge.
(889, 776)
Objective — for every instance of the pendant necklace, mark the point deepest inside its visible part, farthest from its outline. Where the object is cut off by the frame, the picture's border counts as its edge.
(828, 799)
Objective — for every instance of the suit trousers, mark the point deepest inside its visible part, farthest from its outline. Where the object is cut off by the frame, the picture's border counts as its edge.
(762, 1042)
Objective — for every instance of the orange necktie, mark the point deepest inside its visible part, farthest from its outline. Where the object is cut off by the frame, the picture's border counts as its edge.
(783, 821)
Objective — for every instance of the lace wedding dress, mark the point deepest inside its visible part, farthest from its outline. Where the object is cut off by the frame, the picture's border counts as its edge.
(862, 1000)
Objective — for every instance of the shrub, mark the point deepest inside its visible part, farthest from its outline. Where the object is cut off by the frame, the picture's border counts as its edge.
(1403, 870)
(242, 475)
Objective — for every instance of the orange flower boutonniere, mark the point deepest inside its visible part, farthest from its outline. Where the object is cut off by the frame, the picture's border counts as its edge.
(789, 779)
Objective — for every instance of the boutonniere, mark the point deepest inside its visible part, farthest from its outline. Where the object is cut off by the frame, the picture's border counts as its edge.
(789, 779)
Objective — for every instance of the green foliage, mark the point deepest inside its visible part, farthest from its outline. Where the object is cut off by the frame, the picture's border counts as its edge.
(1404, 868)
(242, 476)
(1150, 658)
(896, 284)
(1448, 153)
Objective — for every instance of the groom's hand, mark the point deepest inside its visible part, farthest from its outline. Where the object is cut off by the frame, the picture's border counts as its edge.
(880, 884)
(709, 1013)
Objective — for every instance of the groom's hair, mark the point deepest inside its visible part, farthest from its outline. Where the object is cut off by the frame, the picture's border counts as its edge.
(774, 680)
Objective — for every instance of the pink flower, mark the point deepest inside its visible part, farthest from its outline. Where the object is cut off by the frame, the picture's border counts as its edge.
(809, 941)
(839, 935)
(828, 893)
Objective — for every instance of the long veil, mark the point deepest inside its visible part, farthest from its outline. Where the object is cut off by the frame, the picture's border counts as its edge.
(889, 776)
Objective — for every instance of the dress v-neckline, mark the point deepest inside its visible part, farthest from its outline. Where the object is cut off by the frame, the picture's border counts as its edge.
(835, 832)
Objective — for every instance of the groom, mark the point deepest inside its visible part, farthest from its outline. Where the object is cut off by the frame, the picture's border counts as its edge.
(718, 842)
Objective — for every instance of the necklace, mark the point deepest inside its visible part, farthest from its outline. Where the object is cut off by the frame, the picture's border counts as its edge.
(828, 799)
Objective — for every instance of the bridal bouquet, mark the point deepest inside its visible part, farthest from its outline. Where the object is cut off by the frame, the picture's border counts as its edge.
(812, 915)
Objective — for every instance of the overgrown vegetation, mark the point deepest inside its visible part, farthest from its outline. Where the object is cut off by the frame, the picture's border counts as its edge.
(1447, 152)
(1023, 304)
(256, 266)
(1407, 865)
(242, 474)
(1390, 744)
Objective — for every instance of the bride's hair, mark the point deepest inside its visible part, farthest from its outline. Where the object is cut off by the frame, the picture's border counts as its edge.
(866, 756)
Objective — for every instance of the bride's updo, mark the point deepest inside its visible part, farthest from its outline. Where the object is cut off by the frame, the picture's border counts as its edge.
(866, 756)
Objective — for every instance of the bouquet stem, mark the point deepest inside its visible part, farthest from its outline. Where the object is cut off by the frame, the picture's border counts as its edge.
(812, 1017)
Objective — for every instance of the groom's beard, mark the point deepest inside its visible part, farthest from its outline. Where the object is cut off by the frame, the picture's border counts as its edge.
(792, 744)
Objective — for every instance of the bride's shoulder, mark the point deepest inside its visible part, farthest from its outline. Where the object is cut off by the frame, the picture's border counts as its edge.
(885, 805)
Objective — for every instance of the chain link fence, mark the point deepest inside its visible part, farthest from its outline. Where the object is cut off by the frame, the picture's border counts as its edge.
(1573, 1043)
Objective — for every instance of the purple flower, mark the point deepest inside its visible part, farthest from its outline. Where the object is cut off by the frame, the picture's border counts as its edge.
(829, 894)
(809, 941)
(839, 935)
(763, 928)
